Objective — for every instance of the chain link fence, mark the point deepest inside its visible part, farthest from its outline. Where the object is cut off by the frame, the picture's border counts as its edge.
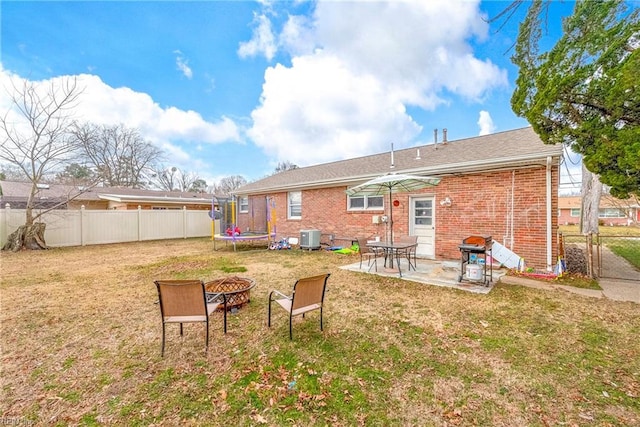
(619, 257)
(594, 255)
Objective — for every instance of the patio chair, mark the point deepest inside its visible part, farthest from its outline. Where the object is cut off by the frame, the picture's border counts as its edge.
(185, 301)
(368, 253)
(307, 295)
(410, 253)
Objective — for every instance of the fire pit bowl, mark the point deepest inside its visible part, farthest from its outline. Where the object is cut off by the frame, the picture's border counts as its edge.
(236, 290)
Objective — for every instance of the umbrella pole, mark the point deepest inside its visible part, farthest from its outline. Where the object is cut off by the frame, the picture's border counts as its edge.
(391, 217)
(391, 225)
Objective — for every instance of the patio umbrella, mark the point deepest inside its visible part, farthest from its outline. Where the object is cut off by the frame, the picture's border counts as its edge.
(388, 184)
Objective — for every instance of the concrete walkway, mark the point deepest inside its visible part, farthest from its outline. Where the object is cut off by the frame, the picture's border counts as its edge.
(617, 290)
(446, 273)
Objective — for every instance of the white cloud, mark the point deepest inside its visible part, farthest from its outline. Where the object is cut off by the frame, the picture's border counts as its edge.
(104, 104)
(262, 42)
(168, 128)
(485, 122)
(357, 67)
(296, 36)
(183, 65)
(309, 113)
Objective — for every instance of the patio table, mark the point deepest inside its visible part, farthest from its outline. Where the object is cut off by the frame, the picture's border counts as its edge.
(391, 250)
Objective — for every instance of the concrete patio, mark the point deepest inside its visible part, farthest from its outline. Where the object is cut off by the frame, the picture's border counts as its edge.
(436, 273)
(446, 273)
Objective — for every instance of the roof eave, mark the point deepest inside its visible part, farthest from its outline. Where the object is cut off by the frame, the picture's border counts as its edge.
(143, 199)
(537, 159)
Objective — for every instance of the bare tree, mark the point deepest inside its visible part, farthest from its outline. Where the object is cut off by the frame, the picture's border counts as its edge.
(165, 178)
(9, 172)
(226, 186)
(284, 166)
(119, 155)
(191, 182)
(174, 179)
(36, 139)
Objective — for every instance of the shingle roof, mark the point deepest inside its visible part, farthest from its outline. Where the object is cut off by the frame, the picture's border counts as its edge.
(519, 147)
(14, 191)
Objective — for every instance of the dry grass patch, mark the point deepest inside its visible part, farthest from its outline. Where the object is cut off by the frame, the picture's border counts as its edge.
(81, 346)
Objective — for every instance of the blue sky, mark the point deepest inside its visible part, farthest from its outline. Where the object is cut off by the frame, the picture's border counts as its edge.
(234, 87)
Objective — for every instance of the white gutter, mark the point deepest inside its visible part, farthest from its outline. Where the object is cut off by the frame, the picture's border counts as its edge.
(549, 213)
(154, 199)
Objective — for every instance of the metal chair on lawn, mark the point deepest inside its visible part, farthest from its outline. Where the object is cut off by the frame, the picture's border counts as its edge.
(185, 301)
(308, 295)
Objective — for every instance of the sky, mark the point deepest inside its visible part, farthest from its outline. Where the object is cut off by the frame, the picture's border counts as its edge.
(234, 87)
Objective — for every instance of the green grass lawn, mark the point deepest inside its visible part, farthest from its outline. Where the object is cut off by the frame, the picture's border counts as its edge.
(615, 238)
(603, 230)
(627, 249)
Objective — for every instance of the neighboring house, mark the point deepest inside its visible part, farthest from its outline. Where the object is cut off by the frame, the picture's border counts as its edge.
(114, 198)
(612, 211)
(504, 185)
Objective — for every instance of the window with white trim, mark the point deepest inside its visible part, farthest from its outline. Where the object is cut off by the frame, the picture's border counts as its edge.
(575, 212)
(364, 203)
(243, 202)
(294, 205)
(612, 213)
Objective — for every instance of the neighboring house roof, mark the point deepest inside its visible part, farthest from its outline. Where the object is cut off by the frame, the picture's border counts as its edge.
(606, 201)
(515, 148)
(18, 192)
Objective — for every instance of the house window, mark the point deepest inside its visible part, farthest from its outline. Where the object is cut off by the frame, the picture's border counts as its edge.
(359, 203)
(575, 212)
(294, 205)
(244, 204)
(611, 213)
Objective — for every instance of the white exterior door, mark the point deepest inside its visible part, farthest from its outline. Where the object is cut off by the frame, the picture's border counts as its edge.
(422, 224)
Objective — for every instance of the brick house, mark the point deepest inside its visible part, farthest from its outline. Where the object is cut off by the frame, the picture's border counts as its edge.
(15, 193)
(504, 185)
(612, 211)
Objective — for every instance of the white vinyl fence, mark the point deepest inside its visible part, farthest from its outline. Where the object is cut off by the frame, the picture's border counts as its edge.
(96, 227)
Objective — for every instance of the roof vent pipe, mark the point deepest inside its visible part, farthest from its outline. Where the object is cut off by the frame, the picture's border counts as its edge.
(417, 154)
(392, 164)
(444, 135)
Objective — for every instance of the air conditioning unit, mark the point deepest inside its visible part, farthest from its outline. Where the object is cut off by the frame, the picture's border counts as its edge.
(309, 239)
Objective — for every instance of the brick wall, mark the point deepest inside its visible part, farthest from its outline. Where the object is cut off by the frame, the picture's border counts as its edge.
(481, 204)
(565, 218)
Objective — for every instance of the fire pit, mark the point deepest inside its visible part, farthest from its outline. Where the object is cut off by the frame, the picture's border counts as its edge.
(235, 289)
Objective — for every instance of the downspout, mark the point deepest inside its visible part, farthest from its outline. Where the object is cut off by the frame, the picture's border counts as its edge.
(549, 217)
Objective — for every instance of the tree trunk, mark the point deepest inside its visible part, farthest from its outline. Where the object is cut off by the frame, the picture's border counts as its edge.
(591, 191)
(27, 237)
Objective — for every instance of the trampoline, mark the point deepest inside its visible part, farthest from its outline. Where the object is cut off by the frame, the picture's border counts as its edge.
(243, 237)
(262, 217)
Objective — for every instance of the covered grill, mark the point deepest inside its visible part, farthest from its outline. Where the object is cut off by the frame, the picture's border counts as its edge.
(473, 262)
